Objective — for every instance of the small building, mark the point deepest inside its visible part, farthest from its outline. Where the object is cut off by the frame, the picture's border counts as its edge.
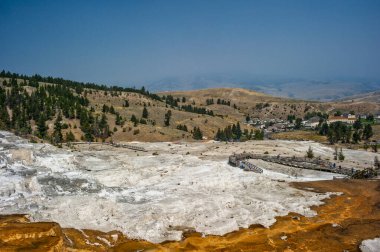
(350, 116)
(312, 122)
(277, 127)
(341, 119)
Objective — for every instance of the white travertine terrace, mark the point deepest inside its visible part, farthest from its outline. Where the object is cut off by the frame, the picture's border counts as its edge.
(154, 197)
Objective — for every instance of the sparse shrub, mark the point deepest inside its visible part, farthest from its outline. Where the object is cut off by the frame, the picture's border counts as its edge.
(341, 156)
(70, 137)
(136, 131)
(182, 127)
(310, 153)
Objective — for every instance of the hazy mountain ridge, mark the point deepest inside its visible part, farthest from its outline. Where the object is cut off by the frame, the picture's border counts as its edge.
(365, 97)
(299, 89)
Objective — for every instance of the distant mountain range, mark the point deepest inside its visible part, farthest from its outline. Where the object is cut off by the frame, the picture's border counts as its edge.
(365, 97)
(291, 88)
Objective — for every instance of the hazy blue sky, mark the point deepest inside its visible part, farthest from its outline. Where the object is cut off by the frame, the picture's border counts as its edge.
(139, 41)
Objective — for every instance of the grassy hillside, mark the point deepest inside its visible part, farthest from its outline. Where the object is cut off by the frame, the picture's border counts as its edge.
(363, 103)
(29, 100)
(17, 93)
(260, 105)
(249, 102)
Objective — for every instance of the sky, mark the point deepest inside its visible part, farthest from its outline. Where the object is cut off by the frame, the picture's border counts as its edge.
(129, 42)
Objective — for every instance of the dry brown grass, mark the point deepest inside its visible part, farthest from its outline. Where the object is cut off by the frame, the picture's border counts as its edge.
(300, 135)
(156, 109)
(246, 101)
(376, 132)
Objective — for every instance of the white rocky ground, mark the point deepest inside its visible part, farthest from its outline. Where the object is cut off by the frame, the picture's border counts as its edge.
(370, 245)
(155, 197)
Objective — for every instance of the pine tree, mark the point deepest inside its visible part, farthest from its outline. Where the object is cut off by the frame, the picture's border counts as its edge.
(118, 119)
(218, 135)
(145, 113)
(367, 132)
(105, 108)
(197, 133)
(167, 118)
(233, 129)
(298, 123)
(5, 122)
(41, 127)
(134, 120)
(112, 110)
(324, 129)
(348, 135)
(357, 125)
(57, 134)
(87, 130)
(238, 131)
(330, 137)
(182, 127)
(259, 135)
(356, 136)
(104, 127)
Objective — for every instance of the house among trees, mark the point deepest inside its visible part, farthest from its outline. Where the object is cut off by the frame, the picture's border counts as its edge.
(312, 122)
(277, 127)
(346, 118)
(349, 115)
(363, 116)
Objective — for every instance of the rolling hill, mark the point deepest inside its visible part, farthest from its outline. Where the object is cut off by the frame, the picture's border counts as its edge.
(194, 109)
